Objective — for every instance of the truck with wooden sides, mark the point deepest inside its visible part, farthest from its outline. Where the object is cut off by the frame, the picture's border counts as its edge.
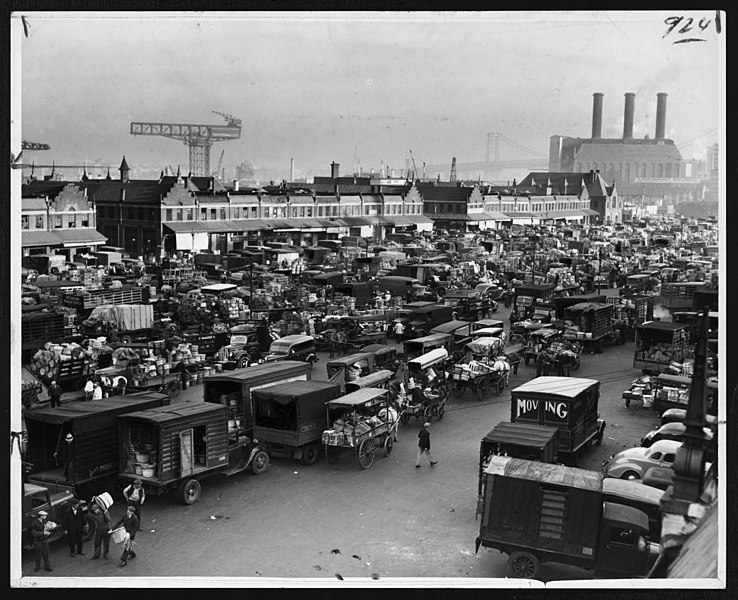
(289, 418)
(538, 513)
(85, 301)
(186, 443)
(568, 403)
(658, 344)
(95, 430)
(526, 297)
(593, 322)
(39, 327)
(234, 388)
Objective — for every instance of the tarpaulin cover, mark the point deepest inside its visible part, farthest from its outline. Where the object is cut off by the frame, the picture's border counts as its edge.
(517, 468)
(126, 316)
(298, 391)
(484, 345)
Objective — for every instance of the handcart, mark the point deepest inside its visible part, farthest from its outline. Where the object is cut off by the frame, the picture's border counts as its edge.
(480, 372)
(426, 385)
(357, 427)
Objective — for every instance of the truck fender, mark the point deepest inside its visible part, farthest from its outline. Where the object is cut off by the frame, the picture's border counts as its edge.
(253, 452)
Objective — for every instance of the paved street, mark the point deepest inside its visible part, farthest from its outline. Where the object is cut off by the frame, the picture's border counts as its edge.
(389, 521)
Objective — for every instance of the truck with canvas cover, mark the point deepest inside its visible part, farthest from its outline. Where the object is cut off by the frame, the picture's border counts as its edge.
(289, 418)
(567, 403)
(536, 513)
(94, 431)
(233, 389)
(185, 443)
(135, 322)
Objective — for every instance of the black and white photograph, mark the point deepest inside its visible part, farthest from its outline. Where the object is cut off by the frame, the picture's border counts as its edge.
(382, 299)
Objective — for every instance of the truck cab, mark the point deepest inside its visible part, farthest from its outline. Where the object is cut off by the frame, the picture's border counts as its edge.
(37, 498)
(623, 546)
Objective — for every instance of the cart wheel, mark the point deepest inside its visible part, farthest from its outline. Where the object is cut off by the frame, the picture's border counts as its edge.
(388, 445)
(189, 491)
(260, 464)
(405, 418)
(523, 564)
(428, 412)
(173, 388)
(500, 386)
(441, 410)
(458, 388)
(332, 453)
(481, 389)
(309, 454)
(366, 453)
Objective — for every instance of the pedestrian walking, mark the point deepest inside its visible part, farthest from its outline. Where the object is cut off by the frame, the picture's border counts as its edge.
(399, 330)
(130, 524)
(65, 453)
(55, 394)
(74, 523)
(102, 527)
(135, 496)
(40, 541)
(424, 445)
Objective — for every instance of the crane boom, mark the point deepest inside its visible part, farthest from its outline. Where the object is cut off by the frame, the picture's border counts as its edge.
(415, 168)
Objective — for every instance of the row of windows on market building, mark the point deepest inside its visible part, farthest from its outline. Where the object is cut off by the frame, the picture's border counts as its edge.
(149, 218)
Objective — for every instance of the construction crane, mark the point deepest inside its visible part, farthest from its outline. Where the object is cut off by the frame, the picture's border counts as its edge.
(216, 172)
(199, 138)
(415, 168)
(452, 176)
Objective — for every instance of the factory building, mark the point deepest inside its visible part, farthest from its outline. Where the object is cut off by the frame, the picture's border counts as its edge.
(646, 171)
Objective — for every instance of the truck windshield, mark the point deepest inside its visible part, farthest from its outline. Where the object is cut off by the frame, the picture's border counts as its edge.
(239, 339)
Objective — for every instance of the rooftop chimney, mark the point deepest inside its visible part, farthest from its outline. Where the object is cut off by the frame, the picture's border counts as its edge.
(334, 169)
(628, 116)
(660, 115)
(236, 185)
(597, 115)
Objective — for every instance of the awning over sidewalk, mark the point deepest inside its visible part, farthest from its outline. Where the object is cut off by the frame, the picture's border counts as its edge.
(40, 238)
(81, 237)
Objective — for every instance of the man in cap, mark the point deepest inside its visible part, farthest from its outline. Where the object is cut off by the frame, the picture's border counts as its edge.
(89, 388)
(55, 394)
(424, 445)
(74, 523)
(130, 523)
(65, 453)
(102, 525)
(40, 540)
(135, 496)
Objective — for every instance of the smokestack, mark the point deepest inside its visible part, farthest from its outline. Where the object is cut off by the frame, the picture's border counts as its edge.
(661, 115)
(292, 169)
(334, 169)
(628, 116)
(597, 115)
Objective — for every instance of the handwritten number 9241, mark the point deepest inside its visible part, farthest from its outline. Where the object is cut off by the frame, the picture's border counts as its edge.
(687, 26)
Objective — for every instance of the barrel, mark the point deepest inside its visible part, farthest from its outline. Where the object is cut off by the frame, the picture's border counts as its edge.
(147, 470)
(104, 500)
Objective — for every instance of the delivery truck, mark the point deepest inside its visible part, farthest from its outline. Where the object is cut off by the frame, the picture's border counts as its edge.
(94, 430)
(233, 389)
(567, 403)
(538, 513)
(289, 418)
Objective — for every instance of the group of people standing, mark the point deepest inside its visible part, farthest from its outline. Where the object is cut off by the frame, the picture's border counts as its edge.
(74, 523)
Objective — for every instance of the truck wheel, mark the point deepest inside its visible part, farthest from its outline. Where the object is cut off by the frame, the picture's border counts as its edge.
(126, 339)
(630, 475)
(189, 491)
(480, 315)
(523, 564)
(309, 454)
(243, 362)
(260, 464)
(89, 531)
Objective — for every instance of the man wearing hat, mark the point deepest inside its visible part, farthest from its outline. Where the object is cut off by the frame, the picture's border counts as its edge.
(424, 445)
(130, 523)
(135, 496)
(40, 541)
(55, 394)
(74, 523)
(65, 453)
(102, 526)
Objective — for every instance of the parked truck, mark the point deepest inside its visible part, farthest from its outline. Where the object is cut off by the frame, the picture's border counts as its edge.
(233, 389)
(39, 327)
(135, 322)
(527, 296)
(37, 498)
(85, 301)
(537, 513)
(95, 431)
(289, 418)
(593, 323)
(658, 344)
(185, 443)
(567, 403)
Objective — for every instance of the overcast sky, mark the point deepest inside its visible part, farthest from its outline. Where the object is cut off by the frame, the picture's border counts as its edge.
(320, 88)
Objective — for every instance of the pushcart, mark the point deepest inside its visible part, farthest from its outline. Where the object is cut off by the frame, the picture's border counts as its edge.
(479, 371)
(426, 383)
(357, 427)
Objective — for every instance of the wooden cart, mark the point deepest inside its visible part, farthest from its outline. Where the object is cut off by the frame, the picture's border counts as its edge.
(361, 430)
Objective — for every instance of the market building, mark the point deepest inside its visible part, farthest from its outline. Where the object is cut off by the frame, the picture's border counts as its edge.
(58, 217)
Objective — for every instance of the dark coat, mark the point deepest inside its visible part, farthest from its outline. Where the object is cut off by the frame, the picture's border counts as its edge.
(129, 523)
(37, 531)
(66, 452)
(74, 523)
(424, 439)
(55, 391)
